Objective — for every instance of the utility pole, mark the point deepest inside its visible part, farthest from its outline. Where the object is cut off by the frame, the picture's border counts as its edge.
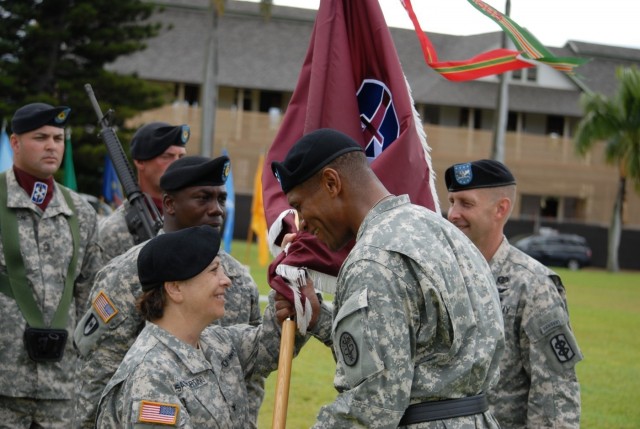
(502, 107)
(210, 90)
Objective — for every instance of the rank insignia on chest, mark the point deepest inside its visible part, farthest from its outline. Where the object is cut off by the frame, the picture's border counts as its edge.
(104, 307)
(157, 412)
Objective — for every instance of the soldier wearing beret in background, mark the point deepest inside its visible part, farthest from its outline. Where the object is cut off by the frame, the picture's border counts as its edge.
(182, 372)
(194, 194)
(153, 148)
(417, 332)
(538, 387)
(49, 255)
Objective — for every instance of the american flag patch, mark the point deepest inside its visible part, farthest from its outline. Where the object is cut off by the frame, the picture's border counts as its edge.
(104, 307)
(156, 412)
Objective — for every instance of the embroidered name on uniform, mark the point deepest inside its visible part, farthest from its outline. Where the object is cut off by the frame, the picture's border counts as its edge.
(194, 383)
(349, 349)
(104, 307)
(156, 412)
(39, 192)
(562, 348)
(550, 325)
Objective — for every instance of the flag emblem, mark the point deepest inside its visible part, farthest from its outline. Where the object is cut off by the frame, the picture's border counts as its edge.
(39, 192)
(226, 170)
(156, 412)
(378, 118)
(186, 133)
(104, 307)
(463, 173)
(62, 116)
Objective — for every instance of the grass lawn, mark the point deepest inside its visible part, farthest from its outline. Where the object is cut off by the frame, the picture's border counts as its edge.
(604, 310)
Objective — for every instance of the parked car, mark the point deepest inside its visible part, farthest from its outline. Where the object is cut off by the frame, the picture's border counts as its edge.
(560, 250)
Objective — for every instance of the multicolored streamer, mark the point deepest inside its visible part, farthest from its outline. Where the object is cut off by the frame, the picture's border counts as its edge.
(530, 50)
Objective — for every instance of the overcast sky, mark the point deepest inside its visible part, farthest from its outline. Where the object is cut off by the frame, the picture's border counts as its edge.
(553, 22)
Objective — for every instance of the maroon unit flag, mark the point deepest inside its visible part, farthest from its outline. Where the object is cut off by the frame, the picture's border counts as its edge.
(352, 81)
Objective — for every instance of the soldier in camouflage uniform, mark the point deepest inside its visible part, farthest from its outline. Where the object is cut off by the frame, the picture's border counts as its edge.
(538, 387)
(194, 195)
(175, 374)
(40, 393)
(417, 331)
(154, 147)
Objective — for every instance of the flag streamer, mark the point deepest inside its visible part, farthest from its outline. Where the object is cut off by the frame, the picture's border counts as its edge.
(530, 50)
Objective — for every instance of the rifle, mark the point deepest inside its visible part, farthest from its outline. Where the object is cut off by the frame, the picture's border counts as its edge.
(143, 219)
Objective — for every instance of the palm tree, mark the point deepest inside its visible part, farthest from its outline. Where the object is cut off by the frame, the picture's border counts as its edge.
(615, 120)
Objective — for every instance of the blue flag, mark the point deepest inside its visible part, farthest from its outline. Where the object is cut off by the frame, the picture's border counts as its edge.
(227, 235)
(111, 189)
(6, 153)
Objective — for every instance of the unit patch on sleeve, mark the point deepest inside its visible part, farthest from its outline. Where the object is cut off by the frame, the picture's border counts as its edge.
(157, 412)
(562, 348)
(104, 307)
(349, 349)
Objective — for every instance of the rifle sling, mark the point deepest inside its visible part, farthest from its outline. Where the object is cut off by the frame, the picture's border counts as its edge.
(14, 283)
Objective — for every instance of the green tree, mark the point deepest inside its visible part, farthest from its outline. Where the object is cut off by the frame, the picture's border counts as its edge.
(615, 120)
(50, 48)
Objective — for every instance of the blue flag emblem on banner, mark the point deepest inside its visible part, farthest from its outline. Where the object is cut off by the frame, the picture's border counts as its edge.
(378, 117)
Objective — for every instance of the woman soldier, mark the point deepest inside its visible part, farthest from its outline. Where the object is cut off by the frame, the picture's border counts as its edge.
(182, 372)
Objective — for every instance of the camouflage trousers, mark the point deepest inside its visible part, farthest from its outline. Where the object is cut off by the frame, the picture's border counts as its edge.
(27, 413)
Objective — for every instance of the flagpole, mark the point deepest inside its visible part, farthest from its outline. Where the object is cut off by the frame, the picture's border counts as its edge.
(285, 362)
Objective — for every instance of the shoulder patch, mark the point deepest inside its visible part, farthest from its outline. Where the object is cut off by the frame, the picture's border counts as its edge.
(349, 349)
(104, 307)
(562, 348)
(158, 412)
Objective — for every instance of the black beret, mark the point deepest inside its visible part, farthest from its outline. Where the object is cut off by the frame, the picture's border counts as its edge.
(35, 115)
(191, 171)
(153, 139)
(309, 154)
(178, 255)
(485, 173)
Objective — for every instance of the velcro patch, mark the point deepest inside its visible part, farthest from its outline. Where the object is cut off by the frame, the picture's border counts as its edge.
(104, 307)
(562, 348)
(157, 412)
(349, 349)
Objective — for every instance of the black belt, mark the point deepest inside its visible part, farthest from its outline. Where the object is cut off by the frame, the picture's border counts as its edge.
(446, 409)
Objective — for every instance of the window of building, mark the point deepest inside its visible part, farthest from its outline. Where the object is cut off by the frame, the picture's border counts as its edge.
(246, 100)
(192, 94)
(465, 117)
(512, 121)
(555, 125)
(431, 114)
(516, 74)
(269, 99)
(532, 74)
(561, 208)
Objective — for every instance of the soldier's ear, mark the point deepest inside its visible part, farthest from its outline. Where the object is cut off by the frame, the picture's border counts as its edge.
(168, 205)
(173, 290)
(504, 207)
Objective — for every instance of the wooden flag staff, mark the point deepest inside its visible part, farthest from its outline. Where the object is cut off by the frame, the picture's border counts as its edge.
(285, 361)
